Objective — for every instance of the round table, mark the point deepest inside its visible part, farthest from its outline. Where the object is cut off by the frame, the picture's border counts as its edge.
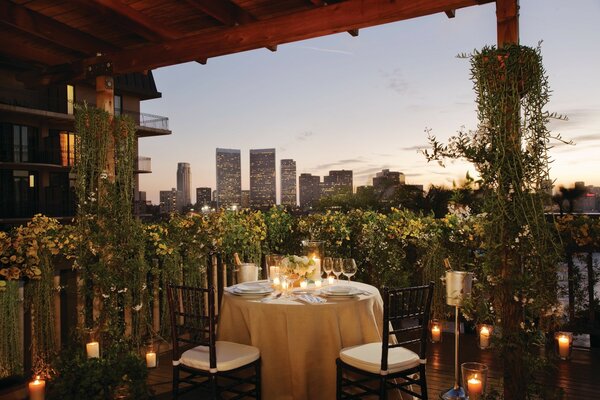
(300, 342)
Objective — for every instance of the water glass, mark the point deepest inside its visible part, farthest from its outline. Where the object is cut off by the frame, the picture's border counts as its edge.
(327, 265)
(338, 267)
(349, 268)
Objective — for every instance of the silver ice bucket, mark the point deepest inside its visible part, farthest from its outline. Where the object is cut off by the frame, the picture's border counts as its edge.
(247, 272)
(458, 287)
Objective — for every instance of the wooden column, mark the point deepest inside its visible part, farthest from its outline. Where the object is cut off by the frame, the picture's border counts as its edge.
(507, 20)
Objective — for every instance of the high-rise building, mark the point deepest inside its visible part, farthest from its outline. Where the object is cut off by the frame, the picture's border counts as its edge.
(310, 190)
(169, 200)
(184, 178)
(203, 196)
(337, 182)
(288, 183)
(262, 178)
(229, 177)
(245, 199)
(386, 182)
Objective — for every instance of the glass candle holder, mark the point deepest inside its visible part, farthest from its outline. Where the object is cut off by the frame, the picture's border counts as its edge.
(564, 344)
(273, 266)
(484, 336)
(435, 331)
(151, 355)
(37, 389)
(474, 376)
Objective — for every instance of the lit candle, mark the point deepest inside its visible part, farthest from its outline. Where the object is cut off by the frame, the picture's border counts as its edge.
(274, 273)
(37, 389)
(563, 346)
(93, 350)
(436, 333)
(151, 359)
(303, 284)
(331, 279)
(284, 285)
(484, 337)
(474, 387)
(318, 283)
(276, 281)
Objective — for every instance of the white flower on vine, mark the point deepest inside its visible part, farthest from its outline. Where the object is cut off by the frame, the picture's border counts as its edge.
(103, 175)
(137, 307)
(104, 295)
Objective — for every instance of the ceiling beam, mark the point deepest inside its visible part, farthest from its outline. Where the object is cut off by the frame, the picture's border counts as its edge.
(131, 19)
(223, 11)
(202, 61)
(318, 2)
(49, 29)
(311, 23)
(353, 32)
(19, 50)
(450, 13)
(273, 48)
(507, 20)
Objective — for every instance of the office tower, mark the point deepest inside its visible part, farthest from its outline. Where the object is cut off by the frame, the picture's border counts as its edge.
(288, 183)
(229, 177)
(386, 182)
(310, 190)
(262, 178)
(184, 178)
(337, 182)
(169, 201)
(245, 199)
(203, 196)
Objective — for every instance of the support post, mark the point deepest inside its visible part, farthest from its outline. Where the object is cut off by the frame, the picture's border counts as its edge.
(507, 20)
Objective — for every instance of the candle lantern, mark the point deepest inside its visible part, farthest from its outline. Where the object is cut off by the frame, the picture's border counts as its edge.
(484, 336)
(564, 344)
(273, 266)
(315, 250)
(474, 376)
(37, 389)
(435, 331)
(92, 347)
(151, 355)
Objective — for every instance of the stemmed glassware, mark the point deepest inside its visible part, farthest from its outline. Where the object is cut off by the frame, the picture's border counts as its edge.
(338, 266)
(349, 268)
(327, 266)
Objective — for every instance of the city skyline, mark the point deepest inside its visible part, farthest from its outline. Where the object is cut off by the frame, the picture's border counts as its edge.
(364, 103)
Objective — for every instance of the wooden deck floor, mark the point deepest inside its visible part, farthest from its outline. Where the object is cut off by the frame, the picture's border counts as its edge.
(578, 378)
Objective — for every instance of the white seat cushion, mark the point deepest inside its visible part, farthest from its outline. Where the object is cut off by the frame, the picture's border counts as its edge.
(368, 358)
(229, 356)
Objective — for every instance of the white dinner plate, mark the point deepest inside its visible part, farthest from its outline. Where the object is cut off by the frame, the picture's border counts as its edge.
(334, 293)
(256, 292)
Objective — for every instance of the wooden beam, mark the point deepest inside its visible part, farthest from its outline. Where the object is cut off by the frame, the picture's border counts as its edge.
(202, 61)
(131, 19)
(273, 48)
(39, 25)
(450, 13)
(319, 2)
(353, 32)
(19, 50)
(223, 11)
(507, 19)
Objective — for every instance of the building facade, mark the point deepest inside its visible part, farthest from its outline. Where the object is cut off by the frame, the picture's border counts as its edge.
(37, 141)
(245, 203)
(169, 201)
(203, 196)
(184, 180)
(229, 177)
(310, 190)
(262, 178)
(386, 182)
(288, 183)
(337, 182)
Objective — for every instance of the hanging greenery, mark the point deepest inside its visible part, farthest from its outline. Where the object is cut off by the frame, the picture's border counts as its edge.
(11, 348)
(510, 152)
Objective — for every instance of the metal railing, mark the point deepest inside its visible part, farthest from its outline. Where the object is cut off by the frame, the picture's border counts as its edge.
(144, 164)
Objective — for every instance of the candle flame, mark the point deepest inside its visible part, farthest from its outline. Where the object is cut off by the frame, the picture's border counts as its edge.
(485, 330)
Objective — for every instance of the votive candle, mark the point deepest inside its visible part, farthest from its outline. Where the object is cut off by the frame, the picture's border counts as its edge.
(331, 279)
(318, 283)
(37, 389)
(151, 359)
(436, 333)
(304, 284)
(484, 337)
(274, 273)
(276, 281)
(284, 285)
(93, 350)
(474, 387)
(563, 346)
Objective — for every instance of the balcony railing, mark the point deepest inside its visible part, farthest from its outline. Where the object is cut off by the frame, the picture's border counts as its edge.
(148, 120)
(143, 165)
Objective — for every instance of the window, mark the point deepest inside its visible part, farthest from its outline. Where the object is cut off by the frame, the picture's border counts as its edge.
(18, 143)
(118, 105)
(70, 99)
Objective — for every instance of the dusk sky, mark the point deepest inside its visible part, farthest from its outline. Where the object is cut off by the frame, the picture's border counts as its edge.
(363, 103)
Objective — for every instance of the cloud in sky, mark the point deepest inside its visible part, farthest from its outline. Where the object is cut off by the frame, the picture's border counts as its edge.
(304, 136)
(415, 148)
(341, 163)
(396, 81)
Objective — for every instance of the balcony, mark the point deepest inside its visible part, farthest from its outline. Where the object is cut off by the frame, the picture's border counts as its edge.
(143, 165)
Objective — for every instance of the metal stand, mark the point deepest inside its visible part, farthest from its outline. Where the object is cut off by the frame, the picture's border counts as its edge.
(457, 392)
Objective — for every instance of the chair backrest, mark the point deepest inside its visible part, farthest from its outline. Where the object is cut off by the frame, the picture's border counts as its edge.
(193, 321)
(407, 311)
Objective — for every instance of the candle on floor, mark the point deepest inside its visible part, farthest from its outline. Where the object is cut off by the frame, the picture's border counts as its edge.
(563, 346)
(304, 284)
(484, 337)
(151, 359)
(93, 350)
(331, 279)
(436, 333)
(318, 283)
(474, 387)
(37, 389)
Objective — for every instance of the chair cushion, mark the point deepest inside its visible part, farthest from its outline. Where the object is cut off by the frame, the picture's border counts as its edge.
(229, 356)
(368, 358)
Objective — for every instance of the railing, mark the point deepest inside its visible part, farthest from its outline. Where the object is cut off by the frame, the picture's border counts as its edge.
(148, 120)
(144, 164)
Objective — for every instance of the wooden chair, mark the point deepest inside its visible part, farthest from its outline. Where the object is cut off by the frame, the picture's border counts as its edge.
(382, 364)
(196, 351)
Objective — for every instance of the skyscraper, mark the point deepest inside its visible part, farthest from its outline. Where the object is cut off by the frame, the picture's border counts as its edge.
(337, 182)
(288, 183)
(229, 177)
(310, 190)
(203, 196)
(184, 178)
(262, 178)
(168, 201)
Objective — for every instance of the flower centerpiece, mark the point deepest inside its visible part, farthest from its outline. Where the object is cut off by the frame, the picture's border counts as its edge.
(303, 267)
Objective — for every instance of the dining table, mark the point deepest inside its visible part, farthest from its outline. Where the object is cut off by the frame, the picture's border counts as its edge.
(300, 340)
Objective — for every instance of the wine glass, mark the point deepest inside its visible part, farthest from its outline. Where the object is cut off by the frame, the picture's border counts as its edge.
(338, 264)
(327, 266)
(349, 268)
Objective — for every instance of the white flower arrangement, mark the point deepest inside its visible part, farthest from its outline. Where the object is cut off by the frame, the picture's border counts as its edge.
(302, 266)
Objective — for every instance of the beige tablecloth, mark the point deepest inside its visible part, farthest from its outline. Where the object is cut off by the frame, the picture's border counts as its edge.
(299, 342)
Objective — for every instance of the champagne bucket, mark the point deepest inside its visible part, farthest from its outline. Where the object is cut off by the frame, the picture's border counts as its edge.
(458, 287)
(247, 272)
